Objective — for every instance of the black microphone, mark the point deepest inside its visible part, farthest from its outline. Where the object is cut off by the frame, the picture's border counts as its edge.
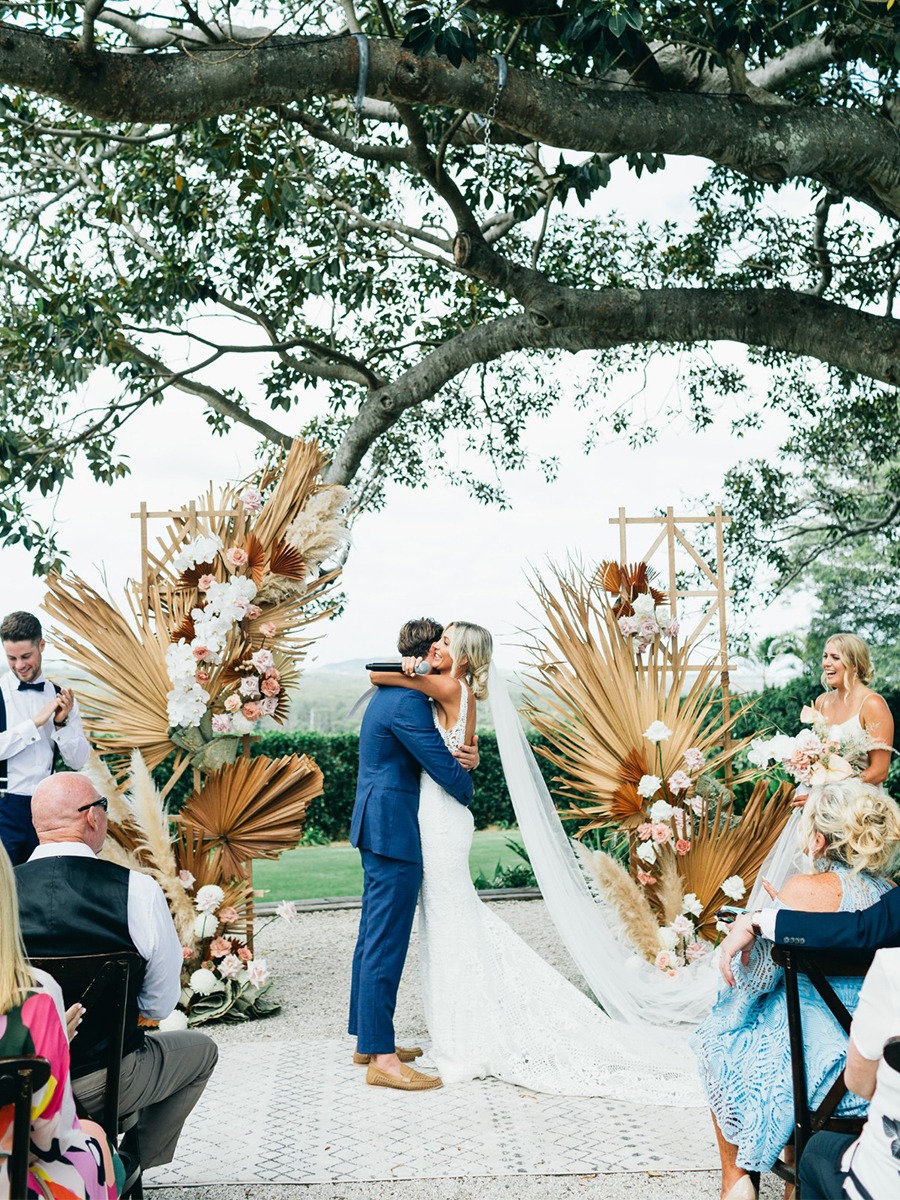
(395, 667)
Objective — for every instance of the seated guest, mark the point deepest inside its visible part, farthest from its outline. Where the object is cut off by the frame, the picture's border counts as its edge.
(851, 830)
(69, 1158)
(835, 1164)
(99, 907)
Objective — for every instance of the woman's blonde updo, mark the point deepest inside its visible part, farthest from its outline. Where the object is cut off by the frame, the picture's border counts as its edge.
(854, 654)
(475, 644)
(860, 824)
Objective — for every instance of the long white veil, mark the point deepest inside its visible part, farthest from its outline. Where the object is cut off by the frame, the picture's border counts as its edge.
(627, 986)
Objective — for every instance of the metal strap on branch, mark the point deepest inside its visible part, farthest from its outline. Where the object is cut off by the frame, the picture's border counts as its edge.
(362, 82)
(502, 76)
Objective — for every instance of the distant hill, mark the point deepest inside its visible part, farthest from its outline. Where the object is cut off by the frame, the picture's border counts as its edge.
(327, 694)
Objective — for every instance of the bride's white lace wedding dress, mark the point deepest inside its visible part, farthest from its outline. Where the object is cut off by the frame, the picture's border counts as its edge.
(495, 1008)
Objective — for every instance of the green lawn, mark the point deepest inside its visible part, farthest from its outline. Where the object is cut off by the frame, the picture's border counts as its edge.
(311, 872)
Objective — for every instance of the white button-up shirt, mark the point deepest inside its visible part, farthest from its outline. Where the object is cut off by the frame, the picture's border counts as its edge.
(27, 749)
(150, 927)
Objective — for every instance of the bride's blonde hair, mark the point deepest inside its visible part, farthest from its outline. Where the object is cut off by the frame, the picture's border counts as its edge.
(475, 644)
(860, 824)
(16, 978)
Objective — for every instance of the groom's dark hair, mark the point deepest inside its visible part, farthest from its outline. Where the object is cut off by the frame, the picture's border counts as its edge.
(416, 636)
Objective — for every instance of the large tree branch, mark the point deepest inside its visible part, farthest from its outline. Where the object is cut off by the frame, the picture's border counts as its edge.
(576, 320)
(856, 151)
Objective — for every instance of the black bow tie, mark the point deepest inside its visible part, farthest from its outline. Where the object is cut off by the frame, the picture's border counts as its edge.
(30, 687)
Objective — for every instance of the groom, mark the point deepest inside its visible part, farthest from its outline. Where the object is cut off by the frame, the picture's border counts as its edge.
(397, 741)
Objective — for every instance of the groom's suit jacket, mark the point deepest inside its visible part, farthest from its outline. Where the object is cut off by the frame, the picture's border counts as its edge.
(397, 741)
(868, 929)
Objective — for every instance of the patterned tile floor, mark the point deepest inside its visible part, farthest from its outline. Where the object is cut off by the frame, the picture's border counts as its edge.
(300, 1112)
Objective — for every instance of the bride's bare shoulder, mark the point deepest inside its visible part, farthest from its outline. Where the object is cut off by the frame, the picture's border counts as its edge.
(813, 893)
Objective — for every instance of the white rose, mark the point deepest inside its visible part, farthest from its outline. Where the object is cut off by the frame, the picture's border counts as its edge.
(204, 982)
(691, 904)
(734, 887)
(209, 897)
(175, 1020)
(644, 606)
(646, 852)
(649, 786)
(683, 926)
(205, 926)
(661, 811)
(657, 732)
(668, 938)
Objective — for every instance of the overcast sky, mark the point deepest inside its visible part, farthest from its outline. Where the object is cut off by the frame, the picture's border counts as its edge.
(433, 551)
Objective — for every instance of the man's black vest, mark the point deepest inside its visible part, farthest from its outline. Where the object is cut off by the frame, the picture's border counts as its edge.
(71, 905)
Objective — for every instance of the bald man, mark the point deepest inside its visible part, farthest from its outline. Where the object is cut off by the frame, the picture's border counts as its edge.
(72, 902)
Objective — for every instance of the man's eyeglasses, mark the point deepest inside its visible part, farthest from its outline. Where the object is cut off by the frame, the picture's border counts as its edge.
(102, 802)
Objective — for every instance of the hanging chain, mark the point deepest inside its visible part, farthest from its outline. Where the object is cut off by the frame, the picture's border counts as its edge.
(362, 83)
(502, 73)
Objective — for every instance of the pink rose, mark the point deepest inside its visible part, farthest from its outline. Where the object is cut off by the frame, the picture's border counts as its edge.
(201, 653)
(270, 687)
(269, 629)
(253, 611)
(221, 723)
(696, 950)
(230, 966)
(269, 706)
(661, 833)
(663, 960)
(245, 954)
(232, 702)
(219, 947)
(645, 831)
(251, 499)
(263, 660)
(680, 781)
(682, 846)
(645, 879)
(236, 556)
(202, 676)
(205, 582)
(273, 674)
(249, 686)
(186, 879)
(187, 953)
(694, 759)
(227, 915)
(251, 711)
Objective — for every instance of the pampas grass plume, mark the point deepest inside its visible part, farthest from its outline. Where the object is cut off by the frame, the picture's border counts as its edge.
(669, 890)
(634, 910)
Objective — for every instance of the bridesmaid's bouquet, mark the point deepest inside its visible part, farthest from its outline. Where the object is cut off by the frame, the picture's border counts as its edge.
(815, 756)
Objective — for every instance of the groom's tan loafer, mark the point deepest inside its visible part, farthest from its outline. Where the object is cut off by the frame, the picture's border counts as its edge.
(406, 1054)
(407, 1081)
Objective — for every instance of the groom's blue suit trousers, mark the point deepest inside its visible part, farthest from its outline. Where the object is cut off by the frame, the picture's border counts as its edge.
(388, 908)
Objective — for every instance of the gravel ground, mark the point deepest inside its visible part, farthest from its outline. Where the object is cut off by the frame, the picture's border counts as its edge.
(310, 961)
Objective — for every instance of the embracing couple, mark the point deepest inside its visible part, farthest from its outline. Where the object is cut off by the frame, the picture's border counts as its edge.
(493, 1006)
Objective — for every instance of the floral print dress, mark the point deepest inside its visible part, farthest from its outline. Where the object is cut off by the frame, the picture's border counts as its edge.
(68, 1161)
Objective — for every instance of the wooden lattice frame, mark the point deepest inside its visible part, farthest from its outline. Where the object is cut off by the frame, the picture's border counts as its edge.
(672, 536)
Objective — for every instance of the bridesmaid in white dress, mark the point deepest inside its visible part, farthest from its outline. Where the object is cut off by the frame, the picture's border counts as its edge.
(493, 1006)
(848, 706)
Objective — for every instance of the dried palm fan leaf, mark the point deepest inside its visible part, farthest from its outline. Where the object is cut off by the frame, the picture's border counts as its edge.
(205, 864)
(617, 888)
(669, 891)
(256, 557)
(183, 630)
(287, 561)
(598, 697)
(125, 699)
(722, 846)
(254, 808)
(626, 582)
(296, 482)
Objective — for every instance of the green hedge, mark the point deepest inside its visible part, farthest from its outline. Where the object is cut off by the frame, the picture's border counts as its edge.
(337, 755)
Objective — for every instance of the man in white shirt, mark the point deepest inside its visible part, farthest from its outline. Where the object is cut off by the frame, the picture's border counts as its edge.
(37, 722)
(71, 902)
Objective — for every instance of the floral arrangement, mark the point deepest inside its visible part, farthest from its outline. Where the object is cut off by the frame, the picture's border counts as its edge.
(814, 756)
(221, 979)
(636, 604)
(639, 743)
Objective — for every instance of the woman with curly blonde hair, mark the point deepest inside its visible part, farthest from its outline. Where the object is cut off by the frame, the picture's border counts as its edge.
(851, 831)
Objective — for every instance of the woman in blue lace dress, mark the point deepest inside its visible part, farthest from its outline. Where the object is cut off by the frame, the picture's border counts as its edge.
(851, 830)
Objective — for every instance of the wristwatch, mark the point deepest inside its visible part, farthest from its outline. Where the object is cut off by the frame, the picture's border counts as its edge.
(61, 724)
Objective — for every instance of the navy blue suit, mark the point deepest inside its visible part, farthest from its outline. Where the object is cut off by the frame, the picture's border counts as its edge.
(868, 929)
(396, 742)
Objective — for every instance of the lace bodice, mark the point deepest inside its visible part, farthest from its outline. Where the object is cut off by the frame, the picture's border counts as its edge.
(456, 735)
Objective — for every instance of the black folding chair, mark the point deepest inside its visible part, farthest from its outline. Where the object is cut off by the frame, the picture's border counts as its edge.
(100, 983)
(816, 965)
(20, 1078)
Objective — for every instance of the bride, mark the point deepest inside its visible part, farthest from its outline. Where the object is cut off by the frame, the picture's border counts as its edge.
(492, 1005)
(852, 713)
